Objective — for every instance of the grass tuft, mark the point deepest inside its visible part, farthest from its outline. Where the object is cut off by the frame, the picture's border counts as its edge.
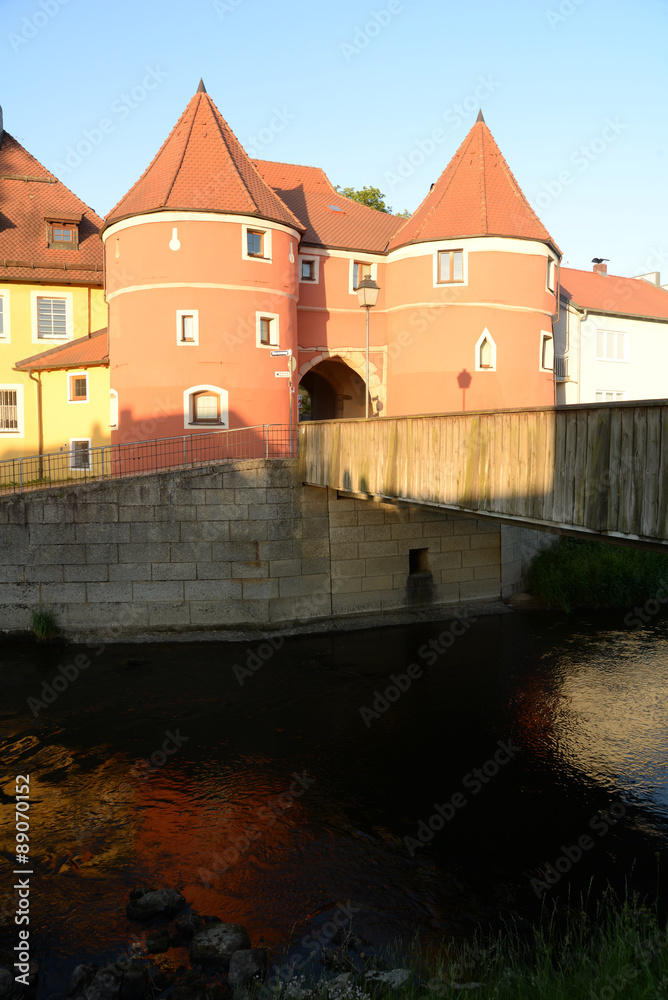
(43, 623)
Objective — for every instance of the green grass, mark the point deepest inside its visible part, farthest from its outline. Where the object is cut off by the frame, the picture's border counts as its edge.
(43, 623)
(590, 574)
(619, 951)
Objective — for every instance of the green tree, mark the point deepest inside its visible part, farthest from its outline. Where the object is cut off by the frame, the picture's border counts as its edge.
(372, 197)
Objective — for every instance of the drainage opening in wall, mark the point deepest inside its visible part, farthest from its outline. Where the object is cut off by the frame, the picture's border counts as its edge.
(420, 583)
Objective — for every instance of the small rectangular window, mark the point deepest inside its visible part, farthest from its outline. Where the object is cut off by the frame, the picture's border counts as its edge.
(450, 266)
(360, 272)
(51, 317)
(9, 410)
(62, 234)
(206, 408)
(187, 329)
(78, 388)
(551, 274)
(610, 345)
(308, 270)
(255, 243)
(547, 353)
(265, 330)
(80, 454)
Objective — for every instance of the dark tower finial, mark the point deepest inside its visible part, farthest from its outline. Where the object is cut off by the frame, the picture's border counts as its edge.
(480, 117)
(201, 89)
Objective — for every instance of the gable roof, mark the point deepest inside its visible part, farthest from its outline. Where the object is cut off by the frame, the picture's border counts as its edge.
(202, 167)
(29, 193)
(310, 195)
(476, 195)
(85, 352)
(611, 293)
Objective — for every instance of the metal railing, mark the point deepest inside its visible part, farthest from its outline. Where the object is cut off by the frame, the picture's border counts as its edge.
(136, 458)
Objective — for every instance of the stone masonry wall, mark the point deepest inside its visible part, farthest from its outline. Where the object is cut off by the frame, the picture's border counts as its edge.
(243, 544)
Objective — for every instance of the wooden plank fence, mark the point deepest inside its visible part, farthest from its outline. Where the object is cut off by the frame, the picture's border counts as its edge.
(599, 468)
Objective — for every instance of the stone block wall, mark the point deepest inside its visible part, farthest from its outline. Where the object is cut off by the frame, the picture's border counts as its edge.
(236, 545)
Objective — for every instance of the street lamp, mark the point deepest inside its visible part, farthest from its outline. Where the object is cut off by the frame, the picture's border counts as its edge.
(367, 296)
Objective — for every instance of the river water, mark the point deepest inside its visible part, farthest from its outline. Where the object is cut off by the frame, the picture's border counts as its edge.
(285, 785)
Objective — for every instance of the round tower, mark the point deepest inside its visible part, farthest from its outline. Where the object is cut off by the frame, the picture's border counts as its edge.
(201, 278)
(472, 292)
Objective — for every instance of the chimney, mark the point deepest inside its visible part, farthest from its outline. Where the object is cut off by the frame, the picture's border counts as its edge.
(600, 268)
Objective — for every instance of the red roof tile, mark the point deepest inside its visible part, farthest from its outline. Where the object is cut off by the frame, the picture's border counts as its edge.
(476, 195)
(85, 352)
(309, 193)
(610, 293)
(202, 167)
(24, 204)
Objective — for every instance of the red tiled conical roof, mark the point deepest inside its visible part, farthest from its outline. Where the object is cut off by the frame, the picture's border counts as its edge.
(202, 167)
(476, 195)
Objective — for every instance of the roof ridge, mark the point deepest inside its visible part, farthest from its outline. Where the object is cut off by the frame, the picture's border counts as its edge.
(484, 223)
(183, 152)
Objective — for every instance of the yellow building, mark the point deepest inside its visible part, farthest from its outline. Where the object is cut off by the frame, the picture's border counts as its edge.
(51, 297)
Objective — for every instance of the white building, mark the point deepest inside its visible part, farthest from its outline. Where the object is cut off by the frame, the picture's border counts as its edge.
(611, 337)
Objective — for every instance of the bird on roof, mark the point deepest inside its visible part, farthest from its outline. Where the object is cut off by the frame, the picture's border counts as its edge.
(599, 260)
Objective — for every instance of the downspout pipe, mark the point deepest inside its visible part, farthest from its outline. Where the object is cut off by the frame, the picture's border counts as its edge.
(40, 421)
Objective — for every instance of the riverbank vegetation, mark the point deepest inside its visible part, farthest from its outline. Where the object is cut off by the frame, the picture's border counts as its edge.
(578, 573)
(600, 952)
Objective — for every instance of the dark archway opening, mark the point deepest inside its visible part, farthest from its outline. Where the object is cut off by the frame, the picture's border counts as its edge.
(335, 391)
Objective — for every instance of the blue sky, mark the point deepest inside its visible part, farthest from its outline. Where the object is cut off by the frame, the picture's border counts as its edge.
(574, 92)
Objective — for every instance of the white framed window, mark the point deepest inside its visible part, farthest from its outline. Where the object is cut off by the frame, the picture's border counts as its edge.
(187, 327)
(11, 410)
(485, 352)
(51, 316)
(80, 453)
(77, 387)
(113, 408)
(205, 406)
(256, 243)
(451, 266)
(5, 332)
(551, 280)
(360, 269)
(546, 360)
(608, 395)
(309, 269)
(267, 333)
(610, 345)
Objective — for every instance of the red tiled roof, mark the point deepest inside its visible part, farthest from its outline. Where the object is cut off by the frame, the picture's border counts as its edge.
(202, 167)
(614, 294)
(476, 195)
(28, 193)
(308, 192)
(86, 352)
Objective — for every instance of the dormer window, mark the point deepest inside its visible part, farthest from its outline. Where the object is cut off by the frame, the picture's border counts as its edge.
(63, 232)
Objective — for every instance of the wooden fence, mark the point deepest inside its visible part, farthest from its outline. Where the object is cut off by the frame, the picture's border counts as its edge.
(599, 468)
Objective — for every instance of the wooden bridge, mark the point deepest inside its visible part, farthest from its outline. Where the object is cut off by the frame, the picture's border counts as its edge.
(588, 469)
